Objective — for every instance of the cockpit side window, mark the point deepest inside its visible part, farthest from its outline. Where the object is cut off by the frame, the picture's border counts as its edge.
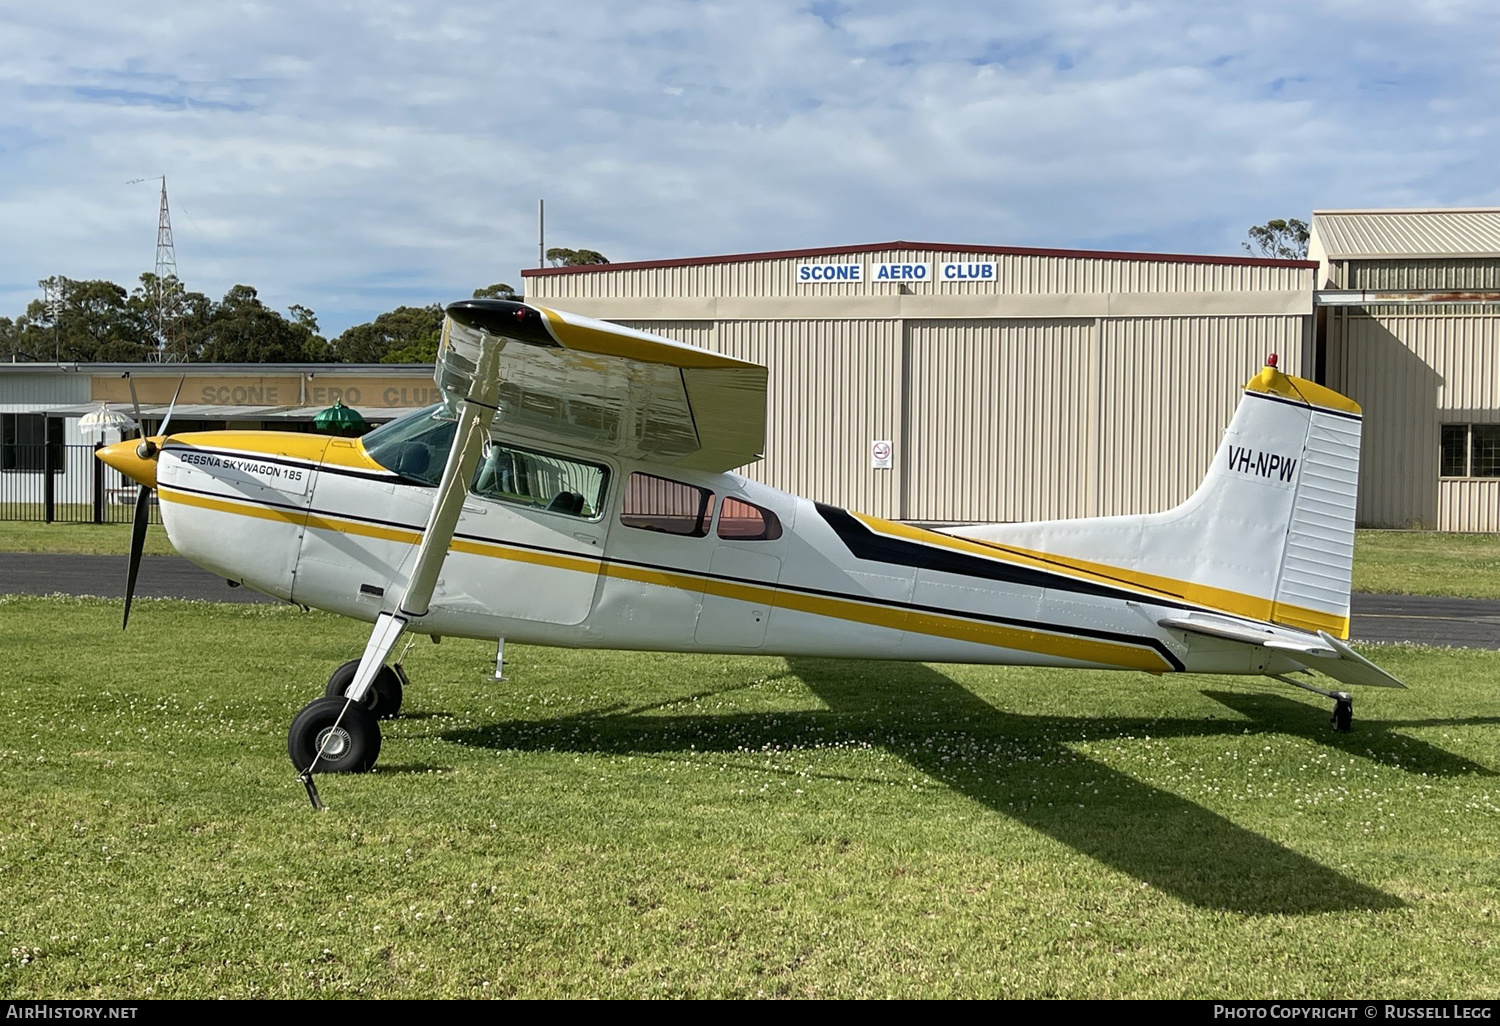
(541, 480)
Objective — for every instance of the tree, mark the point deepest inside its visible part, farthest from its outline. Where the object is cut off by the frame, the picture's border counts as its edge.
(242, 329)
(315, 348)
(561, 257)
(24, 338)
(1284, 240)
(499, 290)
(393, 337)
(83, 321)
(11, 347)
(167, 309)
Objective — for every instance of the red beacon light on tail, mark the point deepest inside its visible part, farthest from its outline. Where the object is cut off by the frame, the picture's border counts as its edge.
(1271, 360)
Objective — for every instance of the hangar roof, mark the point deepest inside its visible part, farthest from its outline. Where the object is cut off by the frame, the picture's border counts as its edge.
(1407, 234)
(932, 247)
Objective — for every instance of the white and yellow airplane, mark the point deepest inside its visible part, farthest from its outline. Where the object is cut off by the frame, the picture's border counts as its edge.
(575, 488)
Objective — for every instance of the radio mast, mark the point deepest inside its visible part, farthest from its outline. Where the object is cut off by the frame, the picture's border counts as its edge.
(166, 264)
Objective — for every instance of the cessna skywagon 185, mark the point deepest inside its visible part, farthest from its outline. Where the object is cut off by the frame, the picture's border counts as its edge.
(575, 488)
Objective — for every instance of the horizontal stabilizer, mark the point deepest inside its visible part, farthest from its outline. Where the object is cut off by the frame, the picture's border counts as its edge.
(1353, 668)
(1250, 634)
(1321, 652)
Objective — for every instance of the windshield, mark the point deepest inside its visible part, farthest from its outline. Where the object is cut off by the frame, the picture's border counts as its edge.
(414, 446)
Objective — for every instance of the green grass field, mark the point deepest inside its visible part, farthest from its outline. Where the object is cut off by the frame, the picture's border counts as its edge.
(621, 825)
(1427, 563)
(79, 538)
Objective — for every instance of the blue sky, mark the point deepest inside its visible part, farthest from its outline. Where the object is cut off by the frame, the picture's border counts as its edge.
(353, 157)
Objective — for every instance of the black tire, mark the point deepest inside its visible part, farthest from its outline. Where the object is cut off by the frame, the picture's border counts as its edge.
(1343, 717)
(384, 697)
(353, 748)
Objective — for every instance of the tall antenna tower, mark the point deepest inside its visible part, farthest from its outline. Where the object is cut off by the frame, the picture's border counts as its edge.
(166, 264)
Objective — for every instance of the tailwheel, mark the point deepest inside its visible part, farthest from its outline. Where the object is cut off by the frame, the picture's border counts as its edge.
(339, 736)
(384, 696)
(1343, 702)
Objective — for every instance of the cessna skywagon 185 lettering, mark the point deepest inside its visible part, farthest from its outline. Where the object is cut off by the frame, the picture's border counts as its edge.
(574, 488)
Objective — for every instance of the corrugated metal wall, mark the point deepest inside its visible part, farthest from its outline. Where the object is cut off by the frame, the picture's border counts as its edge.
(1468, 505)
(1007, 419)
(1168, 387)
(1412, 373)
(1002, 419)
(1020, 274)
(1011, 418)
(1029, 420)
(30, 391)
(834, 387)
(1375, 275)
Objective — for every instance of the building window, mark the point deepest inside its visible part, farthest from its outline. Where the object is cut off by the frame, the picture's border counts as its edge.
(657, 504)
(1454, 461)
(25, 439)
(742, 521)
(1470, 450)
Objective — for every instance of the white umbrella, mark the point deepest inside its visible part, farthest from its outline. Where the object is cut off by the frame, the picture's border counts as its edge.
(104, 419)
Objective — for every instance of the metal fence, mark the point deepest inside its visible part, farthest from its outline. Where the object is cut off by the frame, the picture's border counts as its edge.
(65, 484)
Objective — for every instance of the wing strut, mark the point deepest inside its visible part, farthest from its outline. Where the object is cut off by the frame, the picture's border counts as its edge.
(476, 411)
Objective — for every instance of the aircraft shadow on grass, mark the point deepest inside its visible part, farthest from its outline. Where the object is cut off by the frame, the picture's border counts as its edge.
(1025, 769)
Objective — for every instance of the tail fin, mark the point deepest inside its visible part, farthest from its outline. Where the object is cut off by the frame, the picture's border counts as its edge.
(1269, 534)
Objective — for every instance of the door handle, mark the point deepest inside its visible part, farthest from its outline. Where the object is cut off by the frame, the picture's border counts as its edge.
(586, 537)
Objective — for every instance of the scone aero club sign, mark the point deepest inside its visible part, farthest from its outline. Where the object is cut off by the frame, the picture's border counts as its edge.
(897, 273)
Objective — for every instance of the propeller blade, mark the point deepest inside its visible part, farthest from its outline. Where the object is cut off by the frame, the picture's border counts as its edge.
(140, 426)
(137, 546)
(170, 408)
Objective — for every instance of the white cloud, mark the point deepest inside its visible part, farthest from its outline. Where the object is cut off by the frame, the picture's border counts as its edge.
(353, 158)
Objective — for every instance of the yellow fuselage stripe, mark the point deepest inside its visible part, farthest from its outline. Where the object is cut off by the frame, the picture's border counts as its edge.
(956, 627)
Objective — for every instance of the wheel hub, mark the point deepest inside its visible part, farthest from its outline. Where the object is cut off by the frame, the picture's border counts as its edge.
(333, 742)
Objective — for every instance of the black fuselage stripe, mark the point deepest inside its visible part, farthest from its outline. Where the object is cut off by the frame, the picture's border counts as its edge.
(864, 543)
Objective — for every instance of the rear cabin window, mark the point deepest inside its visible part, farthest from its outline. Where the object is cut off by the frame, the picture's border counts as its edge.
(743, 521)
(671, 507)
(540, 480)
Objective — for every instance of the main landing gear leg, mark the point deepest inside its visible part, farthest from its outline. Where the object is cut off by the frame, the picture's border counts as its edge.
(1343, 702)
(384, 695)
(338, 733)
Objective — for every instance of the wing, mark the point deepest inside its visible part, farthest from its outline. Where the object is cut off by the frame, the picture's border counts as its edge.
(609, 389)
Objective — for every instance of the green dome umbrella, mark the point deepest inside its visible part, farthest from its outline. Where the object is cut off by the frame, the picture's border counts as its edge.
(340, 420)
